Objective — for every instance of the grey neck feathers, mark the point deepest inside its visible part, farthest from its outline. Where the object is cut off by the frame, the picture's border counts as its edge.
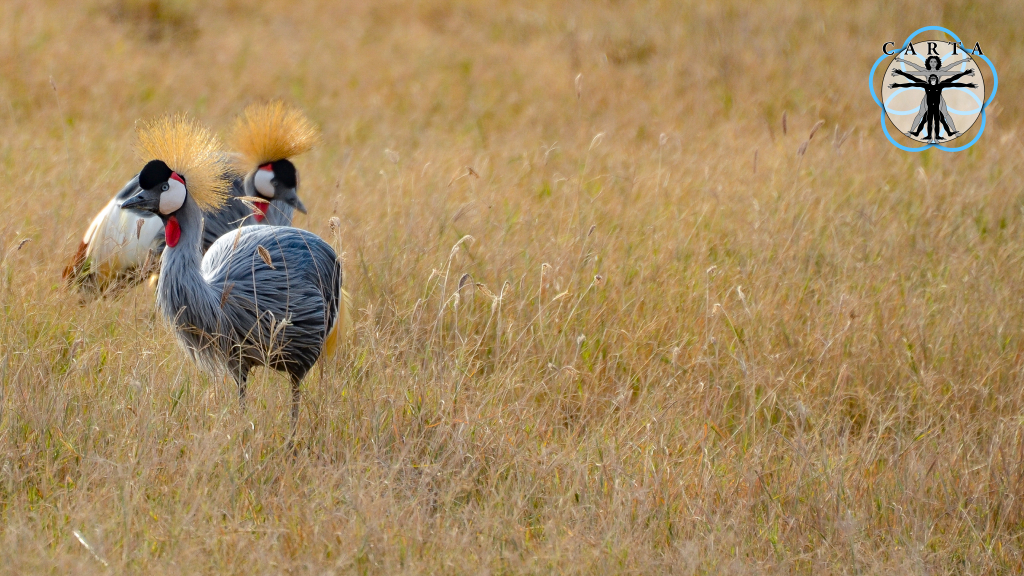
(183, 294)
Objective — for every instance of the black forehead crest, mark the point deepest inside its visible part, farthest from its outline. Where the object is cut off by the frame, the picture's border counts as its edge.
(154, 174)
(285, 173)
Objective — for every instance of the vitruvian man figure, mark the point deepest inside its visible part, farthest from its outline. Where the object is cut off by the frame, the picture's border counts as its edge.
(933, 106)
(933, 65)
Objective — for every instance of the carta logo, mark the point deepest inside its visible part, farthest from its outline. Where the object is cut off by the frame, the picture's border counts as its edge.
(932, 91)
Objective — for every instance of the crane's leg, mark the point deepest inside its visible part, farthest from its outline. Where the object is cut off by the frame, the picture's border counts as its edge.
(296, 397)
(240, 373)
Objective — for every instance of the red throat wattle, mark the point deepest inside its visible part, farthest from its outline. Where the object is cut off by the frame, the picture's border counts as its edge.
(260, 211)
(172, 232)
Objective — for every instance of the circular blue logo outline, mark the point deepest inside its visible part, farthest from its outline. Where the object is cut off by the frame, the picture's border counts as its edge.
(981, 130)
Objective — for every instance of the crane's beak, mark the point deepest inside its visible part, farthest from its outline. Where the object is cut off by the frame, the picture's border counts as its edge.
(291, 197)
(145, 200)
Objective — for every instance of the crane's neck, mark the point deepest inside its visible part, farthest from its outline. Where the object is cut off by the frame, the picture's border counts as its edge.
(187, 252)
(279, 214)
(183, 294)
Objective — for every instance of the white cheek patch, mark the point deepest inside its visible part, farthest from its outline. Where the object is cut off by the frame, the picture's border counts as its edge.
(173, 197)
(262, 182)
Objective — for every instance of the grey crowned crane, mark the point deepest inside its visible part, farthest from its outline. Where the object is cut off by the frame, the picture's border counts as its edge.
(261, 296)
(265, 191)
(121, 246)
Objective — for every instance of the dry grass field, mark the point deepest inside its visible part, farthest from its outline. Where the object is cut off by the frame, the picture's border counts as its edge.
(610, 319)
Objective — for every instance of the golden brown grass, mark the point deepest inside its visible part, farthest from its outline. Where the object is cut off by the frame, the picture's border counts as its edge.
(590, 336)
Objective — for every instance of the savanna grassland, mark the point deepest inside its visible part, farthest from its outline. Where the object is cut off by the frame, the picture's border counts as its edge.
(616, 310)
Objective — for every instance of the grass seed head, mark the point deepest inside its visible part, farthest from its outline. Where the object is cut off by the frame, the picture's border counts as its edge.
(815, 128)
(265, 255)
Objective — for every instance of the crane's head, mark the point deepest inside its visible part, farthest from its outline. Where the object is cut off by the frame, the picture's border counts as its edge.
(187, 168)
(278, 181)
(162, 191)
(264, 138)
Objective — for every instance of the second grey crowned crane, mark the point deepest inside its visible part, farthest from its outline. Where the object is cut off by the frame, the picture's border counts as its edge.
(264, 138)
(261, 296)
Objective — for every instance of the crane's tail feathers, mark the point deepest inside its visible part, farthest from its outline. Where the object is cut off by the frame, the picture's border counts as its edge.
(343, 328)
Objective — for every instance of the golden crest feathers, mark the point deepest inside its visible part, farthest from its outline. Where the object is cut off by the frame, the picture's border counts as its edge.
(269, 132)
(191, 150)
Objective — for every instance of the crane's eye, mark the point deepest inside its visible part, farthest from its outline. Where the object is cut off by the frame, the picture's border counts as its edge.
(274, 182)
(165, 187)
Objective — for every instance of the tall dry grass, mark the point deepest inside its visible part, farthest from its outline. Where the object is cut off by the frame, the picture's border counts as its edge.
(590, 336)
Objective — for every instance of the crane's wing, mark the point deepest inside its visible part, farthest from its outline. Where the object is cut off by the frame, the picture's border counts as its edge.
(116, 243)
